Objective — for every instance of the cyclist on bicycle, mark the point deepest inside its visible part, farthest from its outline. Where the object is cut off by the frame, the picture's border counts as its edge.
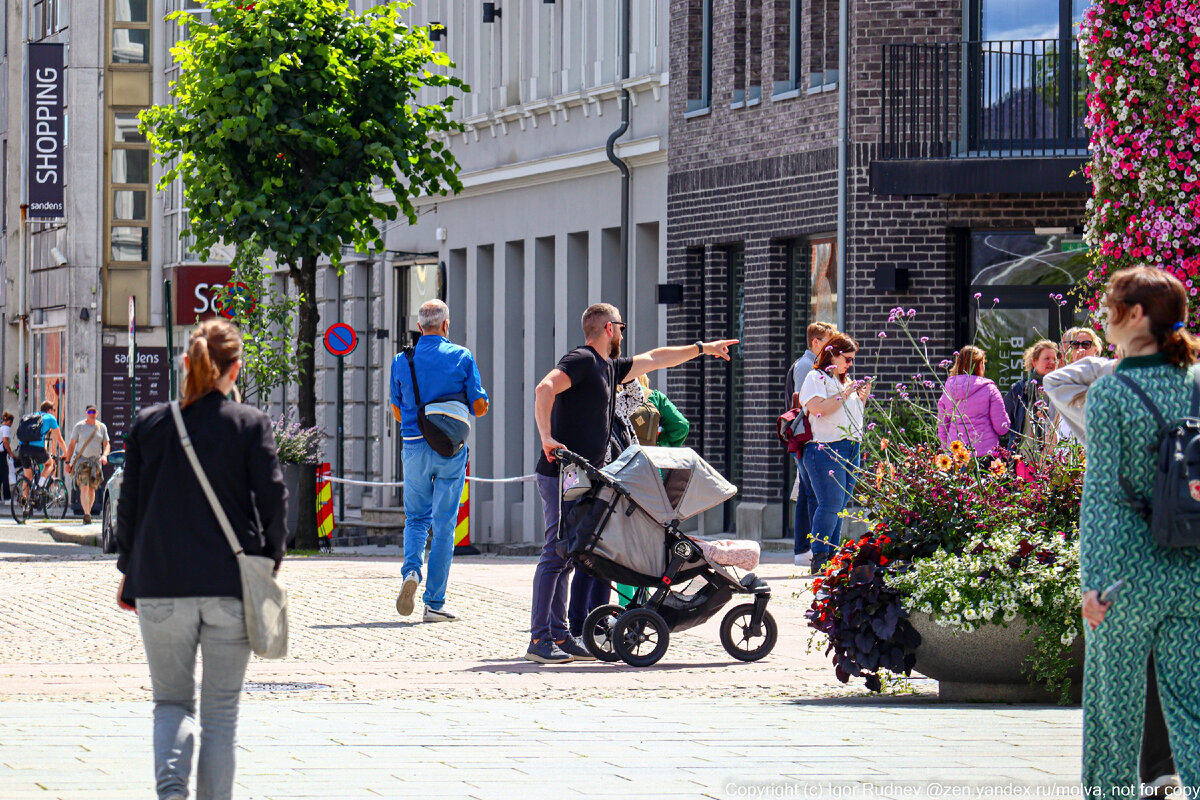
(32, 451)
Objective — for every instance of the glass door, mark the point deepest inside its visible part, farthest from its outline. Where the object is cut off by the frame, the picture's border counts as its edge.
(735, 375)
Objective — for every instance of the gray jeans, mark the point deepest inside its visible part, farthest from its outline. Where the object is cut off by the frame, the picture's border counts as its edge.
(172, 629)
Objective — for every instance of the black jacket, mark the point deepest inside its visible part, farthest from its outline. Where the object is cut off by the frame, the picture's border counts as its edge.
(169, 542)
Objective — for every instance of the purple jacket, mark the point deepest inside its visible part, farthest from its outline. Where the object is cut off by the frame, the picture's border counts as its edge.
(971, 410)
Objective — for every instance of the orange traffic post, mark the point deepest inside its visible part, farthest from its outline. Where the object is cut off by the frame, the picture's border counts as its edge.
(462, 529)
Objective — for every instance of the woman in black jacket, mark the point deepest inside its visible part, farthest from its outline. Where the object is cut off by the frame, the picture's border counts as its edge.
(178, 566)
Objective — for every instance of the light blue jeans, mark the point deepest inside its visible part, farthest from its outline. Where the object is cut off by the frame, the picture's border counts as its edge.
(831, 468)
(432, 488)
(172, 629)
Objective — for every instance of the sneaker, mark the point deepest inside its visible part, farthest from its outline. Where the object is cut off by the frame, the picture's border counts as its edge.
(438, 615)
(1162, 786)
(87, 519)
(802, 559)
(408, 592)
(546, 652)
(576, 649)
(818, 564)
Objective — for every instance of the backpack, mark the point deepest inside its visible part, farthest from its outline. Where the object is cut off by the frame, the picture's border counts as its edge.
(30, 428)
(645, 419)
(1173, 512)
(793, 430)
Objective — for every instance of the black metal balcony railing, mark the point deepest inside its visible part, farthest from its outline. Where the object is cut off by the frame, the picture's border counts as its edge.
(996, 99)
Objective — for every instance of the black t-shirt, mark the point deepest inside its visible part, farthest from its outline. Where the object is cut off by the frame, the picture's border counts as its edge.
(582, 415)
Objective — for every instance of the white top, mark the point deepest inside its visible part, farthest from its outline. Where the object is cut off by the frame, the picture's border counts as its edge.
(845, 423)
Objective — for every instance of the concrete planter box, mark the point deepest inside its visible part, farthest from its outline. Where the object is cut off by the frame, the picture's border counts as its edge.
(985, 664)
(291, 479)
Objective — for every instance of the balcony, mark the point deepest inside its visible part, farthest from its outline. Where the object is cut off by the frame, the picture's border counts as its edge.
(982, 117)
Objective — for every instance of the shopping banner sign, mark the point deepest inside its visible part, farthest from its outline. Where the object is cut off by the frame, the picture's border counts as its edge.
(46, 132)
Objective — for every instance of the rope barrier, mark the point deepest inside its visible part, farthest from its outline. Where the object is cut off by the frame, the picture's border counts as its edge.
(472, 478)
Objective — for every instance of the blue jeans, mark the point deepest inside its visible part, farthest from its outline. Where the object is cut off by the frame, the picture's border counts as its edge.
(806, 503)
(172, 628)
(432, 488)
(831, 468)
(550, 614)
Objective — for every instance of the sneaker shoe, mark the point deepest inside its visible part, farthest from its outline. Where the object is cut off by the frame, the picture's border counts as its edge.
(576, 649)
(802, 559)
(408, 592)
(438, 615)
(818, 564)
(546, 652)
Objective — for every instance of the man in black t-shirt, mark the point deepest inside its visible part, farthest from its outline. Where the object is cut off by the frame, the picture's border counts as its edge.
(574, 410)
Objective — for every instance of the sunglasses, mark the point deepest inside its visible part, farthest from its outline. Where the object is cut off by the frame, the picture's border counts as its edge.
(91, 412)
(848, 359)
(620, 325)
(1082, 345)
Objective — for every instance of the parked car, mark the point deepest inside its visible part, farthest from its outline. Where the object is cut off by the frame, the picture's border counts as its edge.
(112, 495)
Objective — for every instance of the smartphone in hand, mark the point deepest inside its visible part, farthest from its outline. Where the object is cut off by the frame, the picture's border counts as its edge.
(1111, 592)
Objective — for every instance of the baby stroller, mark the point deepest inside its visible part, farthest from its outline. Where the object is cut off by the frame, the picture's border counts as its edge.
(624, 527)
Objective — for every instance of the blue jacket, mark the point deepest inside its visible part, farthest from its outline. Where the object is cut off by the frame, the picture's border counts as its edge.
(443, 369)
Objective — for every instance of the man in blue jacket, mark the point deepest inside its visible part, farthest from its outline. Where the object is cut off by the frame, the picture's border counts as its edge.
(432, 482)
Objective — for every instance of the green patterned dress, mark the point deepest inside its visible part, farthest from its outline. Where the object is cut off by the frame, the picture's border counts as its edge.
(1158, 609)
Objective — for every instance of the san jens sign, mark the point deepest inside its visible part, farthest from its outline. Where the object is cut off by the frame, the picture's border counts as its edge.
(46, 131)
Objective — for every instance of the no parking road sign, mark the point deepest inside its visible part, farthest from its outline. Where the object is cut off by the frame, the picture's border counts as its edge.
(340, 339)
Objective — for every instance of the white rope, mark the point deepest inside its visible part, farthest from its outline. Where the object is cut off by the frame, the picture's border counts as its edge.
(472, 478)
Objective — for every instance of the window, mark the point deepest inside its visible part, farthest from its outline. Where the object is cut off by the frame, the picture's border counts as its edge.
(824, 280)
(699, 55)
(787, 46)
(46, 17)
(754, 47)
(739, 53)
(823, 44)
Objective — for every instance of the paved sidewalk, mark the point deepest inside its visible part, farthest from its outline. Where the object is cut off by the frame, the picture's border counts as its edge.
(392, 707)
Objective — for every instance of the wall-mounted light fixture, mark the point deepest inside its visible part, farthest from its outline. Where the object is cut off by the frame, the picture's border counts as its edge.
(548, 2)
(437, 31)
(84, 314)
(490, 12)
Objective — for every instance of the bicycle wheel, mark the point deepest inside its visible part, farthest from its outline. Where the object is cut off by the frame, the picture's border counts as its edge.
(54, 499)
(20, 505)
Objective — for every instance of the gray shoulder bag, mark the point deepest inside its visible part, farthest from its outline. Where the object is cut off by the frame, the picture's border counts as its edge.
(264, 601)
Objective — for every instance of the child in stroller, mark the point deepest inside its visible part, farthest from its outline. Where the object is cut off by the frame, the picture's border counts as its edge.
(624, 527)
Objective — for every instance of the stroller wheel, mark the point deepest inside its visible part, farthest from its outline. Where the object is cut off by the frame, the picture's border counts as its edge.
(598, 630)
(641, 637)
(736, 636)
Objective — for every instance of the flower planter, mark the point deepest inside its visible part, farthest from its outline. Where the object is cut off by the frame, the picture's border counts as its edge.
(985, 664)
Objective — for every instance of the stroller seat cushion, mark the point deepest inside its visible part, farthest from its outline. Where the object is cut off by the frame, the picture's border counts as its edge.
(742, 554)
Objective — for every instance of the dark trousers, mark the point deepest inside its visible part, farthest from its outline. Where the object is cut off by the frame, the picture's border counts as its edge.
(1156, 747)
(806, 504)
(5, 493)
(550, 615)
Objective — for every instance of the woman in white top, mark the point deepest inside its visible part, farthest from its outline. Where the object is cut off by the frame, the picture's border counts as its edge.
(834, 405)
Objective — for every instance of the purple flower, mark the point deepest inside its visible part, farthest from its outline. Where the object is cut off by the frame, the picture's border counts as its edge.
(978, 295)
(924, 339)
(882, 335)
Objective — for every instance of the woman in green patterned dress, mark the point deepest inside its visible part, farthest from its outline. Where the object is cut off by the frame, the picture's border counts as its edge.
(1158, 610)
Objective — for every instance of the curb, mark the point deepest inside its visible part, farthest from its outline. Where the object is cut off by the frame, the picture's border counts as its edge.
(73, 535)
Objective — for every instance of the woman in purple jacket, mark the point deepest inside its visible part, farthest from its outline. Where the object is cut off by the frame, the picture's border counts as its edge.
(971, 409)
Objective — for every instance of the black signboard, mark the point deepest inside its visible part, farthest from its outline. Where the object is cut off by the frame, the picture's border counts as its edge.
(153, 386)
(47, 131)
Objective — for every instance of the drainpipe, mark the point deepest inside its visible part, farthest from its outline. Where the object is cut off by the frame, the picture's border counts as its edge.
(611, 150)
(843, 141)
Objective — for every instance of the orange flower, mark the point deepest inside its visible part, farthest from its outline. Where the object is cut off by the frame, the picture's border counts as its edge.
(883, 443)
(943, 462)
(962, 456)
(957, 447)
(997, 467)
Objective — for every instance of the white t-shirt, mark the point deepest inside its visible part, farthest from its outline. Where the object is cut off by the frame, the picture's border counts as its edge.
(845, 423)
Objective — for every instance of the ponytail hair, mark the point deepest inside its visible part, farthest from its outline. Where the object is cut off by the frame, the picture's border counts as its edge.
(214, 347)
(1164, 301)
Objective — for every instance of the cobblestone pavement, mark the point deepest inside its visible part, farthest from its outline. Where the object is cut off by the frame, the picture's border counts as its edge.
(392, 707)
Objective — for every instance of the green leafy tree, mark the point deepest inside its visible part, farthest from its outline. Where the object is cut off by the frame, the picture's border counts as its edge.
(289, 117)
(267, 319)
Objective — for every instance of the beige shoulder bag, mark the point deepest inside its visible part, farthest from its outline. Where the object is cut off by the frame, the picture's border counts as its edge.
(264, 601)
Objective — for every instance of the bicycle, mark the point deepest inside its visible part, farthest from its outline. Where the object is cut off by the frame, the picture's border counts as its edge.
(48, 495)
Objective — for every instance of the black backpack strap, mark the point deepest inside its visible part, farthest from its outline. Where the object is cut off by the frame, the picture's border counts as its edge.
(1160, 423)
(408, 353)
(1195, 393)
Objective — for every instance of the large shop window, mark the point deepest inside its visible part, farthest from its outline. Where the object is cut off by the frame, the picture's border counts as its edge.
(49, 363)
(824, 280)
(1025, 282)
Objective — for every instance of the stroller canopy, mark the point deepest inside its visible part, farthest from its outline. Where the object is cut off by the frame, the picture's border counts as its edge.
(670, 483)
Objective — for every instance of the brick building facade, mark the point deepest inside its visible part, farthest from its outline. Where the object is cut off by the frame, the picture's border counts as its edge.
(959, 180)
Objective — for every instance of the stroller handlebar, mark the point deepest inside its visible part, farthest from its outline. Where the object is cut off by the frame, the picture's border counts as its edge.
(566, 456)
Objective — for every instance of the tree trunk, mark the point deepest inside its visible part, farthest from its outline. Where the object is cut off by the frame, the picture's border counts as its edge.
(305, 279)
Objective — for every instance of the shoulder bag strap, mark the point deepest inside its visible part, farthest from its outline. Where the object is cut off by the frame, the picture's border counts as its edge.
(408, 353)
(93, 436)
(186, 441)
(1138, 503)
(1195, 393)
